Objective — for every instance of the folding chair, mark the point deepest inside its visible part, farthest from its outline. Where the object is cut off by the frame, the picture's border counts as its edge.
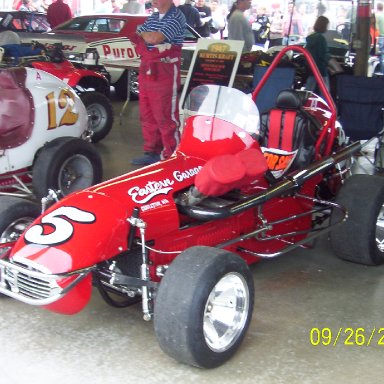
(360, 104)
(281, 78)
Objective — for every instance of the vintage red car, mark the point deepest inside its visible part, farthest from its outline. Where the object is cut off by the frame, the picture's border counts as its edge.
(106, 35)
(179, 235)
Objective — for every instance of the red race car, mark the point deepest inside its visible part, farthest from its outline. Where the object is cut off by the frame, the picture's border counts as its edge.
(179, 236)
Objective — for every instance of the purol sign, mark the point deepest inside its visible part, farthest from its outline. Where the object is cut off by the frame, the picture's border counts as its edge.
(121, 51)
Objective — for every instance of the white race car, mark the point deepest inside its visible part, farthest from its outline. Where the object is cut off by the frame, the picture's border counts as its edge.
(44, 136)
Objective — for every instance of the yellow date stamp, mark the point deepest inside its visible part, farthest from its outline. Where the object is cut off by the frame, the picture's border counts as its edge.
(357, 336)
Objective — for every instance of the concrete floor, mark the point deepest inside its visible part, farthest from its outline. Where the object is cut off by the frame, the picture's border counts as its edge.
(295, 293)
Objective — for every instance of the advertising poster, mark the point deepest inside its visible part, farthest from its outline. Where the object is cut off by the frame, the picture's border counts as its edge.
(213, 62)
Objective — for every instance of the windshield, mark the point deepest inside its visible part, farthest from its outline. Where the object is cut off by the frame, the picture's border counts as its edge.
(225, 103)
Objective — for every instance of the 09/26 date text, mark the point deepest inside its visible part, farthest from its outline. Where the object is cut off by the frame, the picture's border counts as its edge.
(346, 336)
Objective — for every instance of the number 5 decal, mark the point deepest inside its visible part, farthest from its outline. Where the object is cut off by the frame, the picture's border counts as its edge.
(60, 228)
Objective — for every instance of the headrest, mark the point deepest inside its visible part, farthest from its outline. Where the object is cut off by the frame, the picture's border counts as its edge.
(288, 99)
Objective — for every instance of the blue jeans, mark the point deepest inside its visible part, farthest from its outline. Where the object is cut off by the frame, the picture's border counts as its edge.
(380, 42)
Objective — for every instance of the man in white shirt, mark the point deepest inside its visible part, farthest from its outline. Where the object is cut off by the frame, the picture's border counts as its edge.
(104, 6)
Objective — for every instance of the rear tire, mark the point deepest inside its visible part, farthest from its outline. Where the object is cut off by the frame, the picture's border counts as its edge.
(360, 238)
(100, 114)
(67, 164)
(204, 306)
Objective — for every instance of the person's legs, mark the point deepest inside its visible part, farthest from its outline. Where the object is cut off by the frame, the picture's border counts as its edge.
(381, 53)
(149, 127)
(159, 112)
(167, 109)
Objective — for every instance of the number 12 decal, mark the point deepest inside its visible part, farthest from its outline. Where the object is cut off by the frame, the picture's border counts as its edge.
(56, 227)
(66, 101)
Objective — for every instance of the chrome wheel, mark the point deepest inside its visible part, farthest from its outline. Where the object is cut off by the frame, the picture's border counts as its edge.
(380, 230)
(14, 230)
(226, 312)
(97, 117)
(134, 85)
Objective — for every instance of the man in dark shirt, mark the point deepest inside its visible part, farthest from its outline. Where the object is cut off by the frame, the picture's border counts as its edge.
(192, 15)
(206, 18)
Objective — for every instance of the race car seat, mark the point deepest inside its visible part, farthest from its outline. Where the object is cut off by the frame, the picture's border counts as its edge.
(288, 133)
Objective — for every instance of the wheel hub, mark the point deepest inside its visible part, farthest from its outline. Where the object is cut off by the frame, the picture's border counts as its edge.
(225, 312)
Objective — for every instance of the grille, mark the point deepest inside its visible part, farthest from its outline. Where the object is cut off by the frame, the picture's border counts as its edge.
(30, 282)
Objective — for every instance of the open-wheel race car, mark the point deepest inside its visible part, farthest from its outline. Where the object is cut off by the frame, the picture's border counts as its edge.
(93, 87)
(179, 236)
(44, 136)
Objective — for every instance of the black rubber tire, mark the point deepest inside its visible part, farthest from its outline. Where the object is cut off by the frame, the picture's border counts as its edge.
(355, 239)
(67, 164)
(100, 114)
(182, 299)
(15, 215)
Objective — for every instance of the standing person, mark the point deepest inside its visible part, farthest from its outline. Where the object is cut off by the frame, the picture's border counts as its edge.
(261, 27)
(218, 20)
(206, 18)
(104, 6)
(159, 41)
(115, 7)
(133, 7)
(379, 15)
(16, 4)
(58, 12)
(317, 46)
(192, 15)
(238, 26)
(276, 30)
(292, 24)
(27, 6)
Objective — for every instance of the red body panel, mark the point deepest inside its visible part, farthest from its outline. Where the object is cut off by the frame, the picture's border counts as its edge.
(67, 71)
(68, 239)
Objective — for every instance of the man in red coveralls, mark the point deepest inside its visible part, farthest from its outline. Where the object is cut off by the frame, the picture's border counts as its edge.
(159, 41)
(58, 12)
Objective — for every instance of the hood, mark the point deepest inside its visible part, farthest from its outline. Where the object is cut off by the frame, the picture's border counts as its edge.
(79, 231)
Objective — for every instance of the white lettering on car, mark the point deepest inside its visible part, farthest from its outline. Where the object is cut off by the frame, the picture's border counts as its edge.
(143, 195)
(182, 175)
(152, 189)
(56, 227)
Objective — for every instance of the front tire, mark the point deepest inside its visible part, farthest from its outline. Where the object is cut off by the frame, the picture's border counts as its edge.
(68, 164)
(360, 238)
(16, 215)
(204, 306)
(100, 114)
